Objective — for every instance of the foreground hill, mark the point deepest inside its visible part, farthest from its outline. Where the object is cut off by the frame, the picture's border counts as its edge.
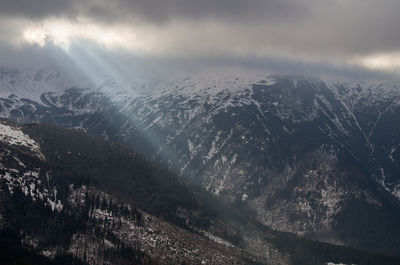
(65, 194)
(70, 198)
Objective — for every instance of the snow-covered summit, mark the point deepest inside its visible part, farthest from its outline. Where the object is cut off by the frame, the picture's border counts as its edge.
(31, 84)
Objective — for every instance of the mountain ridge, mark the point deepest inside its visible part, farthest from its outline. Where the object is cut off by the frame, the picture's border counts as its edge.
(71, 218)
(208, 130)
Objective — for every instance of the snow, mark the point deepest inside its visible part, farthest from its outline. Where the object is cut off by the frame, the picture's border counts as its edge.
(190, 95)
(55, 206)
(219, 185)
(214, 90)
(215, 238)
(190, 146)
(31, 84)
(332, 263)
(269, 81)
(396, 191)
(13, 135)
(213, 150)
(30, 184)
(19, 162)
(234, 158)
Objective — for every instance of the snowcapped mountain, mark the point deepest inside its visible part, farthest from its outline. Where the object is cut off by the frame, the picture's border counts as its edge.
(31, 84)
(307, 156)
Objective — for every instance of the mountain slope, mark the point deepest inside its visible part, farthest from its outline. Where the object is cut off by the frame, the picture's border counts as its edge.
(303, 154)
(53, 205)
(59, 205)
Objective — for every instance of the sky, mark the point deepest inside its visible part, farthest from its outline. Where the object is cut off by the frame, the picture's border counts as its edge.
(350, 38)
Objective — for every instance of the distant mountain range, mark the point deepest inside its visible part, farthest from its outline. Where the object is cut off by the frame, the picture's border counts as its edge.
(318, 159)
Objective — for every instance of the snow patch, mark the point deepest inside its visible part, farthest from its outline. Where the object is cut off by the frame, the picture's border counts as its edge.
(216, 239)
(332, 263)
(13, 135)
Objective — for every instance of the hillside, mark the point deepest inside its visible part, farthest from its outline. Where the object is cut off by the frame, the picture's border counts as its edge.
(314, 158)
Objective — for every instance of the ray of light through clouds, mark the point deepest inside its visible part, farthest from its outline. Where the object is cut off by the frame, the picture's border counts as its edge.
(354, 36)
(138, 41)
(80, 42)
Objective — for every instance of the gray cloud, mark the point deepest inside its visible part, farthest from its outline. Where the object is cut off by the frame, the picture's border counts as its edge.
(310, 31)
(333, 26)
(130, 68)
(38, 9)
(154, 10)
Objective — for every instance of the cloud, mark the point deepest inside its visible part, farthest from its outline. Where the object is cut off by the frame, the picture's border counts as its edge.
(152, 11)
(333, 32)
(38, 9)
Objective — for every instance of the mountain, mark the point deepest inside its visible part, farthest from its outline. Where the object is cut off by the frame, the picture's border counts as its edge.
(98, 203)
(318, 159)
(70, 198)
